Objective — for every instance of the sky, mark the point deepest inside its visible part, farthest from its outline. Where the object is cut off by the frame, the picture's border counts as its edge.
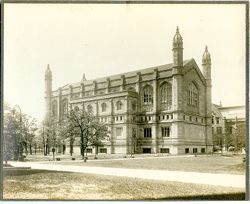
(105, 39)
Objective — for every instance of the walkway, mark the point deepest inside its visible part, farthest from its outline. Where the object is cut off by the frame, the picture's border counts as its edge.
(227, 180)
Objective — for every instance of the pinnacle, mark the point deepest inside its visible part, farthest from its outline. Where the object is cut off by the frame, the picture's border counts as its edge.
(177, 30)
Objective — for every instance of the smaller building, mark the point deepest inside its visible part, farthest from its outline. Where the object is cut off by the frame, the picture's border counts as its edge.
(228, 127)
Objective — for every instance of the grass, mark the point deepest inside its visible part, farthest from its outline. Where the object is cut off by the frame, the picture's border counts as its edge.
(208, 164)
(41, 184)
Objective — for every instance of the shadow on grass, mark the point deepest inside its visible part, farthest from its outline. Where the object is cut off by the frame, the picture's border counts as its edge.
(21, 172)
(226, 196)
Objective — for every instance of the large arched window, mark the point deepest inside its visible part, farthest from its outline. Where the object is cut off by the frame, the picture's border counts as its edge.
(89, 108)
(54, 108)
(118, 105)
(65, 107)
(148, 95)
(193, 95)
(104, 107)
(166, 93)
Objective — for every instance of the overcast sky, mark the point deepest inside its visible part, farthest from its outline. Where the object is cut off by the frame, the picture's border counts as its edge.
(100, 40)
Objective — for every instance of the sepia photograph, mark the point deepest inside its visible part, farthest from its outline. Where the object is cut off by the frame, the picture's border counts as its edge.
(125, 101)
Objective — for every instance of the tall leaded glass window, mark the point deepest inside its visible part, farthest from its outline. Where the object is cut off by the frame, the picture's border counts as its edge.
(166, 93)
(148, 95)
(193, 95)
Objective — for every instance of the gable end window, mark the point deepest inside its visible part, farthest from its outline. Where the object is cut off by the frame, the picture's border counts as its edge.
(193, 95)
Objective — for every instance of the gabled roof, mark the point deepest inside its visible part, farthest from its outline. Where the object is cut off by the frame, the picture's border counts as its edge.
(191, 64)
(215, 110)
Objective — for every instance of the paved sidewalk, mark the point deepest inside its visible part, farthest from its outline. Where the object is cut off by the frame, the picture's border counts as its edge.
(227, 180)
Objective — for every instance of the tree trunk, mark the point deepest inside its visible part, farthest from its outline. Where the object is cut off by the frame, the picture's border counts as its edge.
(16, 152)
(64, 149)
(71, 149)
(20, 149)
(30, 149)
(96, 149)
(44, 149)
(26, 148)
(47, 149)
(82, 151)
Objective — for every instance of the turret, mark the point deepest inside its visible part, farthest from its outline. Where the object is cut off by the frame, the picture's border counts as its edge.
(48, 92)
(206, 64)
(177, 49)
(48, 81)
(83, 78)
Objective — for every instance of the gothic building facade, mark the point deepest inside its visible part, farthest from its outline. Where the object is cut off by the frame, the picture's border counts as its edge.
(162, 109)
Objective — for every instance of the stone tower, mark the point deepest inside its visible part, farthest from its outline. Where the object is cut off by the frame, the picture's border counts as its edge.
(48, 92)
(177, 49)
(177, 70)
(177, 86)
(206, 64)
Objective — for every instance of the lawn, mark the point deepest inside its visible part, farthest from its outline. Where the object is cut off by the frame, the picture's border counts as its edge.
(208, 164)
(41, 184)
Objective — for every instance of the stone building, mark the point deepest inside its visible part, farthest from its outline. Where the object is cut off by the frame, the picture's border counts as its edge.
(161, 109)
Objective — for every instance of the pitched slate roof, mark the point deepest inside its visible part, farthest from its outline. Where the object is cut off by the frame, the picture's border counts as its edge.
(164, 67)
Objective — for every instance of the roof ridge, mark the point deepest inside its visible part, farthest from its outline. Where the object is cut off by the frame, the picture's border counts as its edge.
(130, 72)
(139, 70)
